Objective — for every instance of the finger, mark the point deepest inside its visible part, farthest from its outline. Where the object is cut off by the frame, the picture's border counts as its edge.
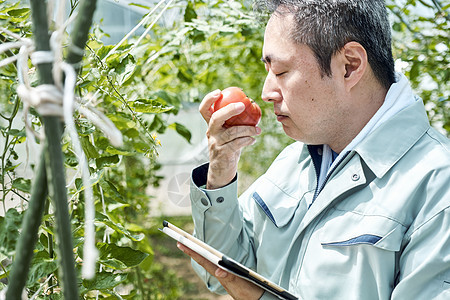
(226, 145)
(209, 266)
(236, 132)
(205, 108)
(221, 273)
(233, 138)
(219, 117)
(236, 145)
(237, 287)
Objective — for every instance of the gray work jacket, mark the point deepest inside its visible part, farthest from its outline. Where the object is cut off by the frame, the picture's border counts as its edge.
(379, 228)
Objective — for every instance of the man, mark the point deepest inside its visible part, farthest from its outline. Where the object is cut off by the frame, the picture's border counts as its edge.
(358, 208)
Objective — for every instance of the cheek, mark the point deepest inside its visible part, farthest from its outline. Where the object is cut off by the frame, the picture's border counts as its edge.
(302, 101)
(300, 86)
(306, 94)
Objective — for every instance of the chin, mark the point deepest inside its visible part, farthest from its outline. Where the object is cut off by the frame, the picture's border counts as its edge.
(293, 134)
(299, 137)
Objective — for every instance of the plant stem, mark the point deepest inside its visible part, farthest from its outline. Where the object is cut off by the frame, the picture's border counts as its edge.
(79, 34)
(139, 280)
(29, 235)
(5, 150)
(4, 270)
(57, 188)
(49, 244)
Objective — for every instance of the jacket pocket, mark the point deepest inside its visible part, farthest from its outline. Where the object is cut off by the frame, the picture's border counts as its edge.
(346, 229)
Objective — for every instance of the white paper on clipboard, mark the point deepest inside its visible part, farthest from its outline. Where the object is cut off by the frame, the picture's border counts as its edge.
(224, 262)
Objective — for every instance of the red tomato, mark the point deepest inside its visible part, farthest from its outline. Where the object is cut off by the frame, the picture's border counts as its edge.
(249, 117)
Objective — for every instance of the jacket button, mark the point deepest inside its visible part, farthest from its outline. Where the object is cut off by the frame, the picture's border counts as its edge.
(219, 199)
(355, 177)
(204, 201)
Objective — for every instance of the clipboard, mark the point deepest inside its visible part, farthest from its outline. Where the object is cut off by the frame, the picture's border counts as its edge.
(224, 262)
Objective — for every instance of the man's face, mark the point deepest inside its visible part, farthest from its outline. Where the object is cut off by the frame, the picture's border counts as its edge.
(308, 105)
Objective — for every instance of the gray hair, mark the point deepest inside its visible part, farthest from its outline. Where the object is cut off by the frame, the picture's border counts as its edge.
(327, 25)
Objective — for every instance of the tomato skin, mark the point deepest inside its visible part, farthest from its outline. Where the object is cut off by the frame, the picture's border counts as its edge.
(249, 117)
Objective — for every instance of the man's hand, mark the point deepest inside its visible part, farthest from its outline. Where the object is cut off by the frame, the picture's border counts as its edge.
(236, 287)
(225, 144)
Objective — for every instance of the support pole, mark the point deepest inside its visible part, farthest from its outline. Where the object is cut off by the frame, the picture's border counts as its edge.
(30, 228)
(50, 176)
(54, 160)
(80, 32)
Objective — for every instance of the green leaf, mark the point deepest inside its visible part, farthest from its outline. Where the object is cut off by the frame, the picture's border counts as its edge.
(41, 266)
(10, 226)
(126, 69)
(104, 280)
(157, 124)
(132, 133)
(94, 178)
(10, 168)
(84, 127)
(104, 50)
(182, 130)
(113, 206)
(18, 12)
(101, 142)
(122, 121)
(141, 147)
(107, 161)
(135, 227)
(166, 97)
(12, 7)
(185, 74)
(112, 150)
(150, 106)
(110, 190)
(79, 183)
(113, 59)
(197, 36)
(446, 126)
(16, 132)
(22, 184)
(89, 150)
(113, 263)
(120, 258)
(118, 227)
(70, 159)
(3, 275)
(189, 13)
(415, 71)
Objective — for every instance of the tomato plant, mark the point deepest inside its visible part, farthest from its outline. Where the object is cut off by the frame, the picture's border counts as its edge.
(250, 116)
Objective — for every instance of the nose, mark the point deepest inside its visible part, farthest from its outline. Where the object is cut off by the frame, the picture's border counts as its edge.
(271, 91)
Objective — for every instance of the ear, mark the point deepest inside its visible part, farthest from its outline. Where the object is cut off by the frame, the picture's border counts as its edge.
(355, 59)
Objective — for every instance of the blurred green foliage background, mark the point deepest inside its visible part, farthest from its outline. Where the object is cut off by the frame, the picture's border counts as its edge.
(214, 44)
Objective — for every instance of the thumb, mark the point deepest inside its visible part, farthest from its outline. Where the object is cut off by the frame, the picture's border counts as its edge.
(220, 273)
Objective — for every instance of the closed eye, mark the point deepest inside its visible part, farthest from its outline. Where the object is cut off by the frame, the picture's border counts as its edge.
(280, 74)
